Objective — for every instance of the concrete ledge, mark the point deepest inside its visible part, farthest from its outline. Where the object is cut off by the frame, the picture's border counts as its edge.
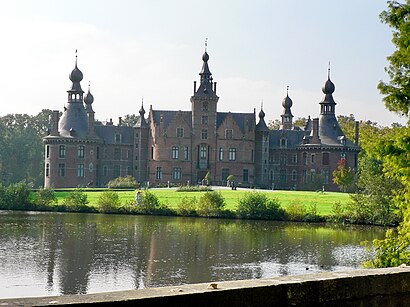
(370, 287)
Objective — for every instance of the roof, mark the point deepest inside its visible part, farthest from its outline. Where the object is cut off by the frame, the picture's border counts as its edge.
(168, 117)
(293, 137)
(108, 132)
(241, 119)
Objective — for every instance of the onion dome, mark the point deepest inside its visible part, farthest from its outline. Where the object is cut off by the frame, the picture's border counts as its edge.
(287, 102)
(205, 57)
(142, 111)
(261, 114)
(76, 75)
(329, 87)
(89, 98)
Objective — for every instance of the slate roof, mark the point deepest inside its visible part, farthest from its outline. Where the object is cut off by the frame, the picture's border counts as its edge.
(240, 119)
(294, 138)
(168, 117)
(107, 133)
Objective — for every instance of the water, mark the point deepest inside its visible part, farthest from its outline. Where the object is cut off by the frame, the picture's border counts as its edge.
(45, 254)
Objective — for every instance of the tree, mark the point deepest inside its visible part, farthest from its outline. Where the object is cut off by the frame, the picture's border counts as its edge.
(274, 124)
(397, 90)
(343, 176)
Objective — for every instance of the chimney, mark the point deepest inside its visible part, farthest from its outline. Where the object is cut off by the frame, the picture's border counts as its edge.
(194, 87)
(119, 121)
(55, 118)
(356, 133)
(315, 131)
(215, 88)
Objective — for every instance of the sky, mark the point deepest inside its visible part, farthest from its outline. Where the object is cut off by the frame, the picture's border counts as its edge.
(130, 50)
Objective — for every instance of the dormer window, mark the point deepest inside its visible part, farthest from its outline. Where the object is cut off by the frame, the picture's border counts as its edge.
(283, 143)
(205, 106)
(180, 132)
(228, 133)
(118, 138)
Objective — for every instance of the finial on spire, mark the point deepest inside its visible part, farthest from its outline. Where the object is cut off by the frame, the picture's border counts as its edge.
(262, 104)
(287, 90)
(76, 57)
(328, 71)
(89, 85)
(206, 44)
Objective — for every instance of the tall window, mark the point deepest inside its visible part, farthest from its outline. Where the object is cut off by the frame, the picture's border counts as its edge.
(175, 152)
(204, 120)
(202, 151)
(294, 175)
(47, 151)
(176, 173)
(295, 159)
(245, 175)
(186, 153)
(325, 158)
(61, 151)
(61, 169)
(47, 170)
(117, 153)
(225, 173)
(205, 106)
(80, 151)
(304, 158)
(283, 143)
(128, 171)
(282, 175)
(158, 173)
(118, 138)
(232, 154)
(204, 134)
(325, 176)
(105, 170)
(221, 154)
(152, 152)
(80, 170)
(98, 152)
(228, 133)
(283, 159)
(117, 171)
(180, 132)
(313, 158)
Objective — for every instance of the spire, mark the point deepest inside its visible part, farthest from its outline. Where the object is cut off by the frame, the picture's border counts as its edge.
(141, 122)
(88, 100)
(328, 103)
(207, 86)
(287, 113)
(142, 111)
(261, 126)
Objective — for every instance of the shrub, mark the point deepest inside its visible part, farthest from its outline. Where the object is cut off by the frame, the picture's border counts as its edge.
(108, 202)
(296, 211)
(256, 205)
(45, 197)
(76, 200)
(211, 204)
(15, 196)
(127, 182)
(312, 214)
(187, 206)
(188, 188)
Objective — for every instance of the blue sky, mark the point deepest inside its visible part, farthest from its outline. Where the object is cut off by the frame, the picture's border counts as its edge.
(153, 49)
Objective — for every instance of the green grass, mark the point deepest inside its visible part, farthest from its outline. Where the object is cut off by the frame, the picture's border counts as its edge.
(171, 198)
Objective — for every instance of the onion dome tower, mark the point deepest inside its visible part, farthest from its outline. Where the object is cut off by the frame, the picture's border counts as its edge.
(88, 100)
(74, 121)
(287, 116)
(261, 126)
(329, 129)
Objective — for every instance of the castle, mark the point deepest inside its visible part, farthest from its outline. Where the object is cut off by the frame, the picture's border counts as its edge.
(181, 147)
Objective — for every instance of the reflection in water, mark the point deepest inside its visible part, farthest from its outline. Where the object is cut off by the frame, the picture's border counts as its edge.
(65, 253)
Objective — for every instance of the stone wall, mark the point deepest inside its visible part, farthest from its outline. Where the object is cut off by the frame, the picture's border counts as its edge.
(372, 287)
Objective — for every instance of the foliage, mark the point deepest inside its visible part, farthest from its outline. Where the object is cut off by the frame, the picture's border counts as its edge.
(256, 205)
(190, 188)
(129, 120)
(108, 202)
(127, 182)
(45, 197)
(211, 204)
(397, 91)
(76, 200)
(149, 203)
(230, 178)
(208, 178)
(21, 140)
(296, 211)
(343, 176)
(187, 206)
(274, 124)
(15, 196)
(300, 122)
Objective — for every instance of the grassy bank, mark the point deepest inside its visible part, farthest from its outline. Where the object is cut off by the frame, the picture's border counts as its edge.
(170, 197)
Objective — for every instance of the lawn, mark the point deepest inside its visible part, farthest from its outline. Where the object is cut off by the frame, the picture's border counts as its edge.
(171, 197)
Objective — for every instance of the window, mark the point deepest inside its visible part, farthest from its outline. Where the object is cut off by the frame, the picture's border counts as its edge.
(186, 153)
(204, 134)
(295, 159)
(228, 133)
(105, 170)
(312, 175)
(283, 143)
(61, 169)
(136, 158)
(152, 152)
(252, 156)
(128, 153)
(312, 158)
(47, 170)
(118, 138)
(225, 173)
(47, 151)
(136, 145)
(245, 175)
(232, 154)
(117, 171)
(180, 132)
(175, 152)
(61, 151)
(282, 175)
(80, 151)
(304, 176)
(80, 170)
(304, 158)
(98, 152)
(204, 120)
(294, 175)
(221, 154)
(202, 152)
(205, 106)
(271, 176)
(117, 153)
(158, 173)
(325, 158)
(176, 173)
(325, 176)
(128, 171)
(283, 159)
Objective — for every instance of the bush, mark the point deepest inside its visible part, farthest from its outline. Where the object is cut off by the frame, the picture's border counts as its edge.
(187, 206)
(256, 205)
(45, 197)
(76, 201)
(189, 188)
(296, 211)
(15, 196)
(127, 182)
(211, 204)
(108, 202)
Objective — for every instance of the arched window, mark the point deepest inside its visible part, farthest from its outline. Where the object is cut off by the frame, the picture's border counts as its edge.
(175, 152)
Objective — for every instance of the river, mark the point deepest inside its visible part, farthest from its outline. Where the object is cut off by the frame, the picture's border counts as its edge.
(45, 254)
